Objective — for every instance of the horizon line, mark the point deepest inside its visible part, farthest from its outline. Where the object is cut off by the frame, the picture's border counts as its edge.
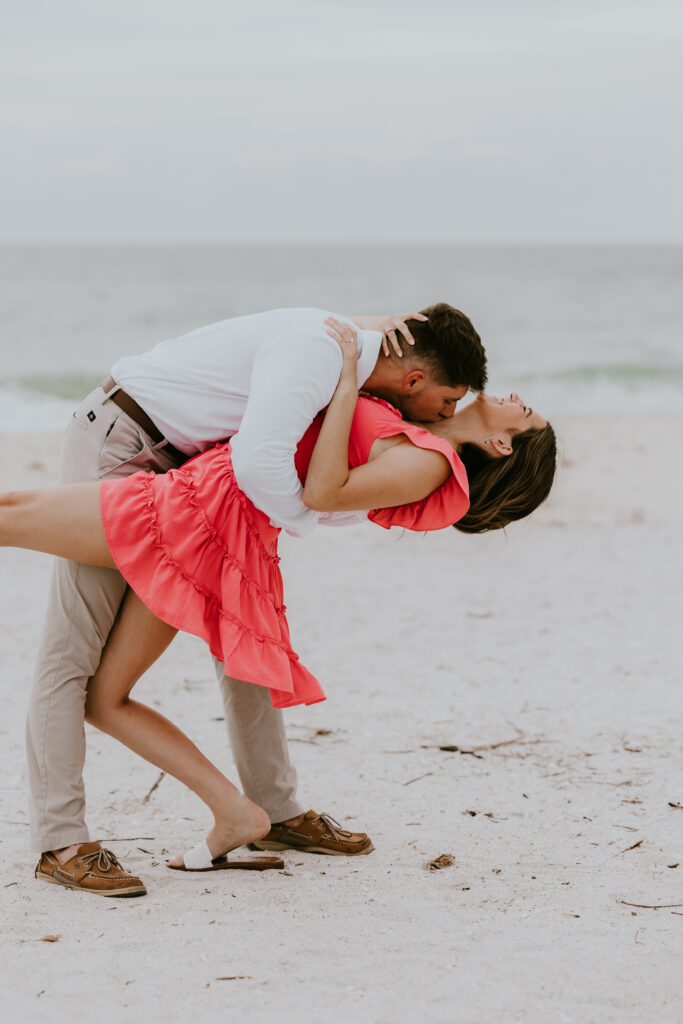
(134, 243)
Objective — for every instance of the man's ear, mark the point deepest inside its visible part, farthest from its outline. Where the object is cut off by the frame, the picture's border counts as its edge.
(413, 381)
(500, 445)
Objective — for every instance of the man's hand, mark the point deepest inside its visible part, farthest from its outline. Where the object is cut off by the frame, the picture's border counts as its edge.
(388, 326)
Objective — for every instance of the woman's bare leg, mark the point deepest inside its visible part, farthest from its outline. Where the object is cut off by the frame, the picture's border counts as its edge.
(64, 521)
(137, 639)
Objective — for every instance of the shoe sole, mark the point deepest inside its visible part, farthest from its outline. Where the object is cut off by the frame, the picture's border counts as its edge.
(120, 893)
(225, 864)
(270, 845)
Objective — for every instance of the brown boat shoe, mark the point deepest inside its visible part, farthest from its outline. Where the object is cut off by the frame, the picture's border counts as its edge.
(91, 869)
(317, 833)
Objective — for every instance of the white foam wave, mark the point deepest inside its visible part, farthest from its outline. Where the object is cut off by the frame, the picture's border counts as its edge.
(29, 412)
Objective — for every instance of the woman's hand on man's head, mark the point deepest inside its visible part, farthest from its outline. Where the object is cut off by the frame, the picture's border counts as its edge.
(390, 325)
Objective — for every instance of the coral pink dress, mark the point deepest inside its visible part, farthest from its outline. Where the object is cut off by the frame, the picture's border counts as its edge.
(201, 556)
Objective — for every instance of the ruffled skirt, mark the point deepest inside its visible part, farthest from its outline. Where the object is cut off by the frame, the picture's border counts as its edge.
(201, 556)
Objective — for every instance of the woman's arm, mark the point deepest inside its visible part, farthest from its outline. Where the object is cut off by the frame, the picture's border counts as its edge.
(388, 326)
(329, 467)
(402, 474)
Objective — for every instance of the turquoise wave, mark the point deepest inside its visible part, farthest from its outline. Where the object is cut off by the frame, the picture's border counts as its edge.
(74, 386)
(66, 385)
(627, 373)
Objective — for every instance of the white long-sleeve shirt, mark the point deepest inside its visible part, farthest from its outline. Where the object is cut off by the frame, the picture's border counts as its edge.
(260, 379)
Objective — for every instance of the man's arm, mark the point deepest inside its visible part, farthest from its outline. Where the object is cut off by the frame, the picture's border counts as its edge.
(292, 380)
(399, 476)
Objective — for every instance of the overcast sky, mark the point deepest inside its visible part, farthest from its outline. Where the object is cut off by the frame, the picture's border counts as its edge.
(357, 121)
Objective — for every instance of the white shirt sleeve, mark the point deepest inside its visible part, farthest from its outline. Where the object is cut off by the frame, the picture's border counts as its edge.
(341, 518)
(292, 380)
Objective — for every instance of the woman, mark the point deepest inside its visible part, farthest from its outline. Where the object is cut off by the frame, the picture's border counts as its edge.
(200, 557)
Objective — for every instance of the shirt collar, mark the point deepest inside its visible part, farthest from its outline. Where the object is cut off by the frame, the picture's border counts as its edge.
(368, 353)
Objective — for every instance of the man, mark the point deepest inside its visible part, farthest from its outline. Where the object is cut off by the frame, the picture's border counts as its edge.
(260, 380)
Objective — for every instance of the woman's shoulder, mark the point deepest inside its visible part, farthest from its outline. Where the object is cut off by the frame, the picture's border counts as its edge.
(386, 421)
(442, 507)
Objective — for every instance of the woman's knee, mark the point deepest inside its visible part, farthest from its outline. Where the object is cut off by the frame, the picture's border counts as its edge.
(101, 711)
(93, 712)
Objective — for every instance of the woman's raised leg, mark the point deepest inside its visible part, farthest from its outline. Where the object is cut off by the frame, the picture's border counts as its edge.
(137, 639)
(64, 521)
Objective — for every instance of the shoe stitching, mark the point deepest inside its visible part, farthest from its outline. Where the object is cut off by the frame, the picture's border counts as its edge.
(61, 873)
(324, 837)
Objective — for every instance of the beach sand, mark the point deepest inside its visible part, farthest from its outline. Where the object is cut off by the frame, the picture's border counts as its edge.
(547, 660)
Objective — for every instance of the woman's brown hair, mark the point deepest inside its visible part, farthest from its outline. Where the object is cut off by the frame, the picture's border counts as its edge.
(508, 488)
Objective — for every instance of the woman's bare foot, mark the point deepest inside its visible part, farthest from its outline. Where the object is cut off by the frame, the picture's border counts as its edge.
(249, 824)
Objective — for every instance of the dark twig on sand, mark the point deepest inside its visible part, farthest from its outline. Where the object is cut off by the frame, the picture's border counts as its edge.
(634, 847)
(651, 906)
(313, 734)
(128, 839)
(473, 751)
(156, 785)
(417, 778)
(617, 785)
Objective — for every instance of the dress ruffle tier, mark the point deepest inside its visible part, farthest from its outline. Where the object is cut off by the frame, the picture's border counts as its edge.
(200, 555)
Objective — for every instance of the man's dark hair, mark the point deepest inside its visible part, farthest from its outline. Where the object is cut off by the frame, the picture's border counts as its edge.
(450, 346)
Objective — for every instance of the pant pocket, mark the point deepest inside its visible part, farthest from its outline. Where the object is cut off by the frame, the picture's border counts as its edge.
(124, 449)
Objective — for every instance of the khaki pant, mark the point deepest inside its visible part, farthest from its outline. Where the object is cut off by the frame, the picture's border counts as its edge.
(102, 441)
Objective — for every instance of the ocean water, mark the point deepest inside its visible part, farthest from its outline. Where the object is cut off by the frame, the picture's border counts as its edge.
(596, 330)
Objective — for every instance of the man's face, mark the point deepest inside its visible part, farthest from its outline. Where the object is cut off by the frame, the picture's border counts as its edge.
(427, 402)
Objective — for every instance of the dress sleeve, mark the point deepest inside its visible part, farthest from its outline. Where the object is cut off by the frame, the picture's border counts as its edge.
(444, 506)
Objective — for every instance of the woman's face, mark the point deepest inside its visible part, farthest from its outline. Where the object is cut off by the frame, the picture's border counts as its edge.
(508, 415)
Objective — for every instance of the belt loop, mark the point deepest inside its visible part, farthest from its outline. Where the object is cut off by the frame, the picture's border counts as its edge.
(110, 387)
(170, 451)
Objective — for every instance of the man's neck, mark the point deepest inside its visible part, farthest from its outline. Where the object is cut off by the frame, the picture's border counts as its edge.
(385, 380)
